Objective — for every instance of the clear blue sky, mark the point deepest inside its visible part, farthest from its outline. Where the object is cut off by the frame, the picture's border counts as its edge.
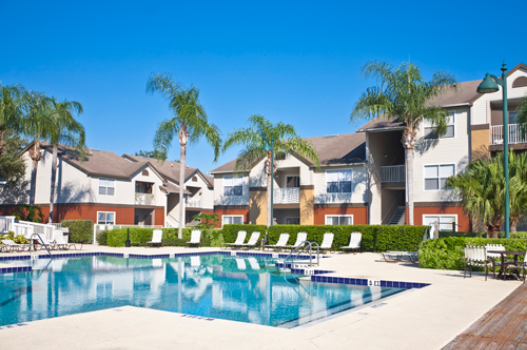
(293, 61)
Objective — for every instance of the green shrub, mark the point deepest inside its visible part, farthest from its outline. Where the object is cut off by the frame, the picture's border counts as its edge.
(81, 231)
(230, 232)
(375, 238)
(102, 237)
(139, 237)
(449, 253)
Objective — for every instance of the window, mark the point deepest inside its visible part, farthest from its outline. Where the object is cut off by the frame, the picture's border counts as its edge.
(292, 221)
(106, 187)
(194, 179)
(292, 181)
(106, 218)
(232, 219)
(339, 219)
(232, 186)
(339, 181)
(431, 130)
(436, 175)
(513, 117)
(445, 221)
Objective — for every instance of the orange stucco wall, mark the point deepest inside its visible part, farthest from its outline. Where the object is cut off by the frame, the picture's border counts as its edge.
(232, 211)
(360, 215)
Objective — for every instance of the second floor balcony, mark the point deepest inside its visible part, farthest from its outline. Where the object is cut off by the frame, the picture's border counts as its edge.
(393, 173)
(290, 195)
(515, 134)
(144, 198)
(193, 202)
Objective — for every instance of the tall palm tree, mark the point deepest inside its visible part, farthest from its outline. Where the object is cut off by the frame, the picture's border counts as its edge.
(35, 125)
(260, 132)
(11, 110)
(404, 95)
(518, 189)
(190, 123)
(64, 129)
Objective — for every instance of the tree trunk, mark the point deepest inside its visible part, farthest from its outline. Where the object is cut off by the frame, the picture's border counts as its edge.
(492, 231)
(183, 138)
(514, 224)
(409, 183)
(269, 179)
(35, 155)
(53, 183)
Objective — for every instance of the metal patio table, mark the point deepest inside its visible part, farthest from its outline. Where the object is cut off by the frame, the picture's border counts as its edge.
(503, 254)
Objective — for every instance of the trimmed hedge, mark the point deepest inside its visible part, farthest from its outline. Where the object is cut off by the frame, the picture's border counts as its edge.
(139, 237)
(449, 253)
(230, 232)
(375, 238)
(81, 231)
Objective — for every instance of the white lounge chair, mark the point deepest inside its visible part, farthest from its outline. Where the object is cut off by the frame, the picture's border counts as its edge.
(254, 264)
(282, 242)
(50, 244)
(495, 258)
(157, 235)
(195, 238)
(241, 264)
(355, 240)
(61, 243)
(300, 237)
(252, 240)
(15, 246)
(239, 240)
(327, 242)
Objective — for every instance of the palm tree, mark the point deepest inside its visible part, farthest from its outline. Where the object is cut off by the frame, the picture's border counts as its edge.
(11, 110)
(518, 189)
(190, 123)
(403, 95)
(35, 125)
(64, 129)
(260, 132)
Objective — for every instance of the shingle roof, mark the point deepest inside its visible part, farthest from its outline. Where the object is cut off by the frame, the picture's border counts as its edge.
(333, 149)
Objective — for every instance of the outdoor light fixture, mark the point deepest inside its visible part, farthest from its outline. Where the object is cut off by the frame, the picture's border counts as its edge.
(489, 85)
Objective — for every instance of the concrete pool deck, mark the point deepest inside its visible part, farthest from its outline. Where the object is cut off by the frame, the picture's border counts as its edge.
(426, 318)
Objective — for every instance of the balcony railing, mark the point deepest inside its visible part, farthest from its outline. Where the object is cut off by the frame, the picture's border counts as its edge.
(144, 198)
(193, 203)
(515, 134)
(393, 173)
(286, 195)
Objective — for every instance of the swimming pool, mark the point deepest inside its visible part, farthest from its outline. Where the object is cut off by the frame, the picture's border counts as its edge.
(238, 288)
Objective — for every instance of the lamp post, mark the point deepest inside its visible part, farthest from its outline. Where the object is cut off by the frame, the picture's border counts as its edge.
(270, 148)
(489, 85)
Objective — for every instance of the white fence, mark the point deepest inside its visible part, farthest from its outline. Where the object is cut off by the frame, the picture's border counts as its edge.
(515, 134)
(26, 228)
(286, 195)
(6, 223)
(393, 173)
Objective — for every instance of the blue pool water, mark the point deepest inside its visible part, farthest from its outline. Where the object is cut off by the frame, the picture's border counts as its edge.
(244, 289)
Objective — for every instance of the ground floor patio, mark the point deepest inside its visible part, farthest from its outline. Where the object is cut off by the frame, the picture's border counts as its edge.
(425, 318)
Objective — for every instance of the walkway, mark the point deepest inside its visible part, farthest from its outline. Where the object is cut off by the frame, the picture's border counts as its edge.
(503, 327)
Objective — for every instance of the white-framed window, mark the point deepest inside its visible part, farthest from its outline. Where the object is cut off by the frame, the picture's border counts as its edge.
(513, 117)
(339, 219)
(436, 175)
(339, 181)
(292, 221)
(232, 186)
(106, 217)
(292, 181)
(106, 187)
(431, 130)
(232, 219)
(445, 221)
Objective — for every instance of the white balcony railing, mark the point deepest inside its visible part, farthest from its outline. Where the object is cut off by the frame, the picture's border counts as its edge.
(193, 203)
(515, 134)
(393, 173)
(286, 195)
(144, 198)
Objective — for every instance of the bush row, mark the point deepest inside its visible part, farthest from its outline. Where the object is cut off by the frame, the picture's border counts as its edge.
(139, 237)
(449, 253)
(80, 231)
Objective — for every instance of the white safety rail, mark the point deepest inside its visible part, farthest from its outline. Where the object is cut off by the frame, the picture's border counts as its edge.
(98, 228)
(25, 228)
(144, 198)
(515, 134)
(286, 195)
(44, 230)
(393, 173)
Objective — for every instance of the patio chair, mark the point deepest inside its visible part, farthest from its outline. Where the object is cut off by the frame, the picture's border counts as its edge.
(241, 264)
(52, 245)
(254, 263)
(252, 241)
(327, 242)
(157, 235)
(495, 258)
(12, 245)
(476, 256)
(282, 242)
(518, 266)
(195, 238)
(239, 240)
(61, 243)
(355, 239)
(300, 238)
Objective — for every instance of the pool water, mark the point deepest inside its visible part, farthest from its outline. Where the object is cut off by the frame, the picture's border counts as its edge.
(244, 289)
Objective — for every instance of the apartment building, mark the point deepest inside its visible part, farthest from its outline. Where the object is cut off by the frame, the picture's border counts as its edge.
(111, 189)
(361, 179)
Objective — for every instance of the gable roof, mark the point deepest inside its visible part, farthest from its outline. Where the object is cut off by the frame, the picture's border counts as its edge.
(341, 149)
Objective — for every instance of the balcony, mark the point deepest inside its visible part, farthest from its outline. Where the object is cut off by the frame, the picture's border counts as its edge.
(515, 135)
(192, 203)
(286, 195)
(144, 198)
(393, 173)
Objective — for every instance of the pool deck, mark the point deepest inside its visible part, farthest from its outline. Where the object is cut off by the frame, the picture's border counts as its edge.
(426, 318)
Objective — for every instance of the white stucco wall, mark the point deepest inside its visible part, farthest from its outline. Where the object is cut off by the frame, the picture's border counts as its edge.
(359, 186)
(220, 199)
